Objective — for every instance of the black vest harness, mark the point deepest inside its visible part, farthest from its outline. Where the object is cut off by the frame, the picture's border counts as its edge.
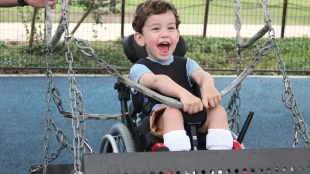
(177, 72)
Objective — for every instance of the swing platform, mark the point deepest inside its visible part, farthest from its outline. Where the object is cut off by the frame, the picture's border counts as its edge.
(275, 160)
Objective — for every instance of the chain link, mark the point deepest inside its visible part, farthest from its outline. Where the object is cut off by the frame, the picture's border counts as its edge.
(77, 103)
(49, 81)
(234, 105)
(48, 114)
(288, 96)
(51, 92)
(87, 50)
(289, 99)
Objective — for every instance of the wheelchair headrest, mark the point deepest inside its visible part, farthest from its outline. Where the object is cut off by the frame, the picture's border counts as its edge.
(134, 52)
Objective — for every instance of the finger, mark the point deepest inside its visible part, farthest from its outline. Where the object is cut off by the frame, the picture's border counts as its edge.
(197, 105)
(219, 98)
(205, 104)
(52, 4)
(200, 106)
(185, 108)
(191, 109)
(216, 102)
(196, 108)
(211, 104)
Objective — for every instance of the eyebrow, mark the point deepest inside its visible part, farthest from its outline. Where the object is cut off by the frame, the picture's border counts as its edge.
(171, 23)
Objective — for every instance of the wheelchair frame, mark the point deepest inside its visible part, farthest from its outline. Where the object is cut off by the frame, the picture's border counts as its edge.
(129, 120)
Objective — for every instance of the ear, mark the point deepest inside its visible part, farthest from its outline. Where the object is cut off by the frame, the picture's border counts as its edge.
(139, 39)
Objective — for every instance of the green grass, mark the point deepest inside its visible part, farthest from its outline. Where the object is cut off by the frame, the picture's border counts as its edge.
(208, 52)
(192, 11)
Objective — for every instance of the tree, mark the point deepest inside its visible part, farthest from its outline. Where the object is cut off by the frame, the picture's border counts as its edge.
(99, 7)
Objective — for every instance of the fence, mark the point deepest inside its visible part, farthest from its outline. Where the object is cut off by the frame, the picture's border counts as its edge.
(207, 25)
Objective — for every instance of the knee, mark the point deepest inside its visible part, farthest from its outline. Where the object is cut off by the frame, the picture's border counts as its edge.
(171, 120)
(172, 113)
(217, 112)
(170, 116)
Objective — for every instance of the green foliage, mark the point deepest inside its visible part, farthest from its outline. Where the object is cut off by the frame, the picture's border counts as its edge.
(217, 53)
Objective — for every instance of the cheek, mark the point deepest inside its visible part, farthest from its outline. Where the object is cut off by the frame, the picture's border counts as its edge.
(175, 41)
(151, 42)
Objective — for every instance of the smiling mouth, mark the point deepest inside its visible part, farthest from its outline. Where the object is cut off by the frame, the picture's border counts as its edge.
(163, 47)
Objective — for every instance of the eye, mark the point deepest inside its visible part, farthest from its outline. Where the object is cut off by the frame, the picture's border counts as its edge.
(171, 28)
(156, 28)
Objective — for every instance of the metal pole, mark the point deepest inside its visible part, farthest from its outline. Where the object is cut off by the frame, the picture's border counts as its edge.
(123, 18)
(283, 18)
(206, 18)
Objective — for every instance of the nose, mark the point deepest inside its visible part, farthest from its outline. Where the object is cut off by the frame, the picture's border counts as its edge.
(164, 34)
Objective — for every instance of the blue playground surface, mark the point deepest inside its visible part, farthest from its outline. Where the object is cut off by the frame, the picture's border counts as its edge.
(22, 114)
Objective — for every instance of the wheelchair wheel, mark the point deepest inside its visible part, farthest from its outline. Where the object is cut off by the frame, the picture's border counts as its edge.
(118, 140)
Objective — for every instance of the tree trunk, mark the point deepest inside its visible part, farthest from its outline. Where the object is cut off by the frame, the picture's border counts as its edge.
(89, 10)
(33, 29)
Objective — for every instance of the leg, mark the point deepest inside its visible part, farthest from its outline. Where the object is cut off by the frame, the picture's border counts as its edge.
(170, 124)
(219, 136)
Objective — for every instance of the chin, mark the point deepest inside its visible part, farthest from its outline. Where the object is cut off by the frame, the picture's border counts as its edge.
(164, 57)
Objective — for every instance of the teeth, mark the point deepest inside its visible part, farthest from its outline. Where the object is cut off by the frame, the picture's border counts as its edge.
(164, 43)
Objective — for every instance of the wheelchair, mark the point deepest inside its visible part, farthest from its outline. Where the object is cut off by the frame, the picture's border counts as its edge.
(127, 136)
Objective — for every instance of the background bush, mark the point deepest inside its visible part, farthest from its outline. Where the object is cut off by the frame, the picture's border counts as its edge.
(208, 52)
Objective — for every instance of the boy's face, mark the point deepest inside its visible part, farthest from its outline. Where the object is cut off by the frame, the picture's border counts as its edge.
(160, 35)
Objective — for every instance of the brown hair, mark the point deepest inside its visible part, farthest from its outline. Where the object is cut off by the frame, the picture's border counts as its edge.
(150, 7)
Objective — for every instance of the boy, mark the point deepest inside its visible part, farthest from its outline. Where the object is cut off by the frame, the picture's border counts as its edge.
(156, 24)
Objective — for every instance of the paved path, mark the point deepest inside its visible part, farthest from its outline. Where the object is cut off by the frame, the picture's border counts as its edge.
(16, 31)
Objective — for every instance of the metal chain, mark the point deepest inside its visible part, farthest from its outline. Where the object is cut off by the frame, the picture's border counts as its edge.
(50, 93)
(49, 121)
(288, 96)
(77, 104)
(49, 81)
(235, 101)
(48, 114)
(87, 50)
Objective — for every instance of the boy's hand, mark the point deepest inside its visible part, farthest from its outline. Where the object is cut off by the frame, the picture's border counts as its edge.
(41, 3)
(192, 104)
(210, 96)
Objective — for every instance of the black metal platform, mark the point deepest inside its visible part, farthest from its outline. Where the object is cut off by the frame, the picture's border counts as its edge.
(56, 169)
(267, 161)
(288, 160)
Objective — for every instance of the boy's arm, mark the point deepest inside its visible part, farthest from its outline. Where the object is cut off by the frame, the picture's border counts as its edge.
(8, 3)
(210, 95)
(141, 74)
(162, 83)
(33, 3)
(202, 78)
(167, 86)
